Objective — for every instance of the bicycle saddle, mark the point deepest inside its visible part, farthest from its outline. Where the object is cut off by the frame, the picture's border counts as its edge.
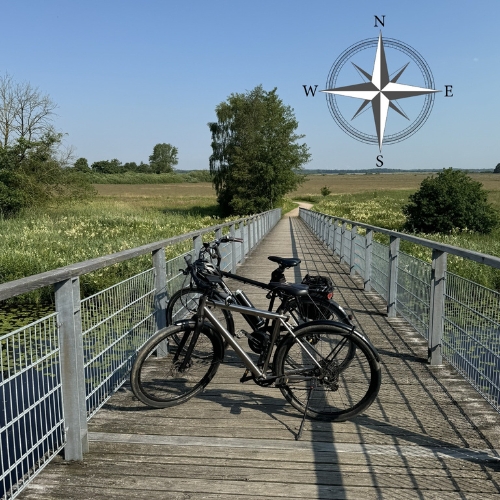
(286, 263)
(290, 288)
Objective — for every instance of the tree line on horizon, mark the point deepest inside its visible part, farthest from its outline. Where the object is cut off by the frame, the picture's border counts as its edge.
(256, 160)
(161, 161)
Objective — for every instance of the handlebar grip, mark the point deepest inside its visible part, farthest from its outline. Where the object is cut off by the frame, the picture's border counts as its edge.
(227, 239)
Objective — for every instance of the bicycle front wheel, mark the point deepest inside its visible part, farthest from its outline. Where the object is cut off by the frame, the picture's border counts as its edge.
(316, 376)
(162, 376)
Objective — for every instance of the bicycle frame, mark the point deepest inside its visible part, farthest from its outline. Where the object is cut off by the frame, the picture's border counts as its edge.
(279, 319)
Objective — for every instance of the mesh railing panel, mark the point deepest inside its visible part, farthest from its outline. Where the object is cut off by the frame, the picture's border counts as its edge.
(116, 322)
(471, 337)
(347, 246)
(380, 269)
(338, 240)
(239, 246)
(225, 250)
(359, 254)
(413, 292)
(31, 413)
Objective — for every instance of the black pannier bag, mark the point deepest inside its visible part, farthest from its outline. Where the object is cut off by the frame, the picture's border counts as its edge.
(319, 285)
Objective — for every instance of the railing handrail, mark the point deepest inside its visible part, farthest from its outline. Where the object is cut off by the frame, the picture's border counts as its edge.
(482, 258)
(30, 283)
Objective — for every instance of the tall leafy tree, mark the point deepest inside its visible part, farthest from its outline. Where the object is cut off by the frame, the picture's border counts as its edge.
(164, 158)
(497, 169)
(255, 157)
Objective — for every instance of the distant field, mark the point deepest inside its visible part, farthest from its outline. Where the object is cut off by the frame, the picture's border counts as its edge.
(351, 184)
(171, 196)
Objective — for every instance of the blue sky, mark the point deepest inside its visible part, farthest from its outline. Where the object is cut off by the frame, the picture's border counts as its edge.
(127, 75)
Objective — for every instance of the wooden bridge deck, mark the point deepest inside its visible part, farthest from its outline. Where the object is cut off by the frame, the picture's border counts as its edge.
(427, 436)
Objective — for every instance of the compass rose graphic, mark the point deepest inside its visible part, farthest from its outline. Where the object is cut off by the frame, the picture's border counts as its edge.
(381, 91)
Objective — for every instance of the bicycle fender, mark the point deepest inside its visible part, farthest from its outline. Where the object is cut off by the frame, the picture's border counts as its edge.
(341, 326)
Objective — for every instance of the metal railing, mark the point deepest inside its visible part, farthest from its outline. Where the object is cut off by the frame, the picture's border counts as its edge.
(59, 370)
(459, 318)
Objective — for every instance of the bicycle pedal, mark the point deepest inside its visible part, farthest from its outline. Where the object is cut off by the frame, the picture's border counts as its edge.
(239, 334)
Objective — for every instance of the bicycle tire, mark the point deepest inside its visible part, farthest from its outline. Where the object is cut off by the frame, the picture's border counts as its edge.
(184, 304)
(339, 393)
(156, 379)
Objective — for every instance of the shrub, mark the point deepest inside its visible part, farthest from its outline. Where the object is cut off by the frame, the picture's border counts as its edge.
(325, 191)
(447, 202)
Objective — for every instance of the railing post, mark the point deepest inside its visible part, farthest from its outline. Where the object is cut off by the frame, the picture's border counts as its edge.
(244, 237)
(67, 299)
(368, 259)
(232, 233)
(197, 244)
(438, 290)
(160, 298)
(393, 276)
(250, 235)
(352, 256)
(342, 236)
(334, 244)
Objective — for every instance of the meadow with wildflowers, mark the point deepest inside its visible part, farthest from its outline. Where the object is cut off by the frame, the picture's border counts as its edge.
(383, 209)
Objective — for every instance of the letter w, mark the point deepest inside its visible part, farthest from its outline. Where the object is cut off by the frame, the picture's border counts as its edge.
(310, 89)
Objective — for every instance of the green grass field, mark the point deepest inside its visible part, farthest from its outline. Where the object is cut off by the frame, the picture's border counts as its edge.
(125, 216)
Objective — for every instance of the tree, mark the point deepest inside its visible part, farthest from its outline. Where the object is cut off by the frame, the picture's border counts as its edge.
(255, 158)
(82, 165)
(164, 158)
(31, 175)
(144, 168)
(449, 201)
(130, 166)
(497, 169)
(325, 191)
(25, 113)
(107, 166)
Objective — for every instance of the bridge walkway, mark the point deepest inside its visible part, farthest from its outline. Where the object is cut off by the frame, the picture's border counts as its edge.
(428, 435)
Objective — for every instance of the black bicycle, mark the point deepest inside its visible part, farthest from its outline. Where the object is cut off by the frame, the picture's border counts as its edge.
(307, 364)
(316, 304)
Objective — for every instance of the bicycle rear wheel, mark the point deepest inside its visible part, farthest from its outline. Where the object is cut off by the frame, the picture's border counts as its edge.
(312, 366)
(157, 377)
(305, 309)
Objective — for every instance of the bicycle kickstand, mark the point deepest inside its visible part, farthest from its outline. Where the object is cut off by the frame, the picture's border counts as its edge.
(311, 389)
